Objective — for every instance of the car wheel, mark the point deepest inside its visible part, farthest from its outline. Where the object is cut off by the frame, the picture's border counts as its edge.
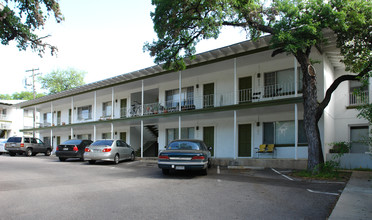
(92, 161)
(1, 153)
(34, 154)
(28, 152)
(116, 159)
(48, 152)
(62, 159)
(132, 156)
(165, 171)
(82, 158)
(12, 154)
(209, 163)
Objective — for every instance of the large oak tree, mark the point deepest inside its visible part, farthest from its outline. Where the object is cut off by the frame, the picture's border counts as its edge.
(19, 21)
(296, 27)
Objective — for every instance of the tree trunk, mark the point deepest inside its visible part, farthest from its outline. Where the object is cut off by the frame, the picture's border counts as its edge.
(315, 153)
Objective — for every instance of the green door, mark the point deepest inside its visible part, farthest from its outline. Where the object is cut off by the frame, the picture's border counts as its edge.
(123, 108)
(245, 89)
(123, 136)
(208, 138)
(208, 95)
(245, 140)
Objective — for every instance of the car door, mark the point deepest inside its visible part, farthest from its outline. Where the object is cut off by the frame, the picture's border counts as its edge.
(127, 149)
(35, 146)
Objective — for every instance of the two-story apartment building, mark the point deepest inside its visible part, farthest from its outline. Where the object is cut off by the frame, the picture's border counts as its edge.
(234, 98)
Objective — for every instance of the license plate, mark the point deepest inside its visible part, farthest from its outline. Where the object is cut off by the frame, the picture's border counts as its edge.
(13, 145)
(180, 167)
(65, 148)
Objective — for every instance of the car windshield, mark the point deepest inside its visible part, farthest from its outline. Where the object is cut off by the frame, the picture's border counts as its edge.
(184, 145)
(102, 142)
(15, 139)
(72, 142)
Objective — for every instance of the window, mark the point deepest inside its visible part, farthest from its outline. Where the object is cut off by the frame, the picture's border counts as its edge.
(84, 136)
(106, 109)
(85, 112)
(281, 82)
(172, 97)
(359, 139)
(358, 99)
(283, 133)
(106, 135)
(186, 133)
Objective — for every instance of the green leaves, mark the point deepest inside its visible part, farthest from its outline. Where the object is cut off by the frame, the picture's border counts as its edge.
(61, 80)
(19, 23)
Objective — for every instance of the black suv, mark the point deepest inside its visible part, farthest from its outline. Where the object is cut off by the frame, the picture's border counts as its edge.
(26, 145)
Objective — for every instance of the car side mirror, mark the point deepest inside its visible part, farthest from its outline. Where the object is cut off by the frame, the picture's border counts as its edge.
(165, 146)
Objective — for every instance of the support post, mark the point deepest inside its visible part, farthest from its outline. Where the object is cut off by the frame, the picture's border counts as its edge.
(141, 138)
(296, 132)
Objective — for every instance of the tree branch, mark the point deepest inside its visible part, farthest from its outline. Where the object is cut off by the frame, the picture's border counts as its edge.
(334, 86)
(254, 24)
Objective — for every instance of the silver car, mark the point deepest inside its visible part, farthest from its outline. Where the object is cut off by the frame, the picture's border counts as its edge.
(108, 150)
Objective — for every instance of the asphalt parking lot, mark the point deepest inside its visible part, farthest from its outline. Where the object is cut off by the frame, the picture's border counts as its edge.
(44, 188)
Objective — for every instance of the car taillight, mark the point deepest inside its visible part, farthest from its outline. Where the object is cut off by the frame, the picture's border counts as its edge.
(22, 144)
(75, 149)
(87, 149)
(57, 148)
(198, 158)
(163, 157)
(106, 150)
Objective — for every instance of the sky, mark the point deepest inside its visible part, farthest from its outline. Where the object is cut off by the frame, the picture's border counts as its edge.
(102, 38)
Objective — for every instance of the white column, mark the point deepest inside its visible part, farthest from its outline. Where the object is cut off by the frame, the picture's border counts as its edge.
(295, 76)
(51, 111)
(112, 131)
(179, 127)
(141, 138)
(72, 110)
(296, 131)
(94, 133)
(112, 102)
(235, 84)
(235, 135)
(180, 90)
(142, 99)
(51, 139)
(72, 133)
(95, 106)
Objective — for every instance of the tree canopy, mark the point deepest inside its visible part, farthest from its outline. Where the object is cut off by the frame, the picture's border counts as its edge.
(60, 80)
(24, 95)
(295, 26)
(20, 19)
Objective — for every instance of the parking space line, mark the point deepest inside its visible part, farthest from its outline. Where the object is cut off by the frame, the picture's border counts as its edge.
(319, 192)
(285, 176)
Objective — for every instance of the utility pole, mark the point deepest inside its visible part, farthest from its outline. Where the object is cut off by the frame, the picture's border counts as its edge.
(34, 93)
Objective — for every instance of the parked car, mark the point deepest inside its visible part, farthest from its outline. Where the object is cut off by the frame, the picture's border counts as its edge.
(2, 146)
(27, 145)
(185, 155)
(72, 149)
(108, 150)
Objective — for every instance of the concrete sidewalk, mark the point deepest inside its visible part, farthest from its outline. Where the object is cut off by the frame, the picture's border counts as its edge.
(355, 201)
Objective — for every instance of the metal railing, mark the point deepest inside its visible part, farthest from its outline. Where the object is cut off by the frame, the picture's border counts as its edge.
(360, 98)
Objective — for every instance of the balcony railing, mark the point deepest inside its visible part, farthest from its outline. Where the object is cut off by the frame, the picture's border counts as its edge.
(5, 125)
(3, 117)
(360, 98)
(211, 100)
(221, 99)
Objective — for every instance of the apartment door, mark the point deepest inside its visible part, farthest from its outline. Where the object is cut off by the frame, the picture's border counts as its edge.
(123, 108)
(245, 89)
(208, 138)
(123, 136)
(208, 95)
(245, 140)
